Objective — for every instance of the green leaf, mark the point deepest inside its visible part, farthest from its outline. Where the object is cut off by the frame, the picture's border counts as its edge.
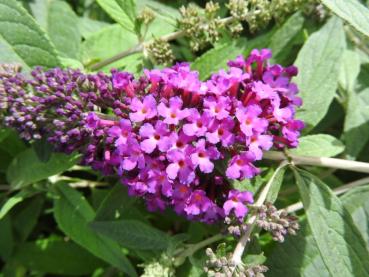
(23, 38)
(319, 61)
(106, 43)
(7, 240)
(356, 127)
(276, 180)
(56, 256)
(297, 256)
(61, 24)
(162, 11)
(356, 201)
(217, 58)
(26, 168)
(132, 234)
(25, 216)
(73, 213)
(122, 11)
(320, 145)
(16, 199)
(350, 69)
(88, 26)
(281, 41)
(351, 11)
(340, 243)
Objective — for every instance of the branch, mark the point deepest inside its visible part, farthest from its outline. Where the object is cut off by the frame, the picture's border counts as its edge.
(319, 161)
(337, 191)
(141, 46)
(240, 247)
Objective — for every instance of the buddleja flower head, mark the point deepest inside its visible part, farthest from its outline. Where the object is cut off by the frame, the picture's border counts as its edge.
(169, 134)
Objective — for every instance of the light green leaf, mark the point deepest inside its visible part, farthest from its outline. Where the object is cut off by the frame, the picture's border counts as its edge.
(16, 199)
(281, 40)
(88, 26)
(320, 145)
(61, 24)
(339, 241)
(21, 37)
(356, 201)
(350, 69)
(72, 212)
(26, 168)
(106, 43)
(217, 58)
(351, 11)
(162, 11)
(132, 234)
(122, 11)
(356, 125)
(319, 61)
(56, 256)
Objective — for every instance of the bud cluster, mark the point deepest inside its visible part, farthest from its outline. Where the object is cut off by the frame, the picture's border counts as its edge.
(278, 223)
(159, 268)
(222, 266)
(160, 51)
(201, 26)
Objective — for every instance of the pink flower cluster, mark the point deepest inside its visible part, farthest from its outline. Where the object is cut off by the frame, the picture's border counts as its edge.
(176, 133)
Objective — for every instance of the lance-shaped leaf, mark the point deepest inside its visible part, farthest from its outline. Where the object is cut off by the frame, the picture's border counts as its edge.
(351, 11)
(339, 242)
(319, 63)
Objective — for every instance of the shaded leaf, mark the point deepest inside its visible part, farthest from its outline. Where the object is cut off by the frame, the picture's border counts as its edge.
(320, 145)
(26, 168)
(7, 240)
(132, 234)
(16, 199)
(22, 37)
(55, 256)
(319, 62)
(73, 213)
(340, 243)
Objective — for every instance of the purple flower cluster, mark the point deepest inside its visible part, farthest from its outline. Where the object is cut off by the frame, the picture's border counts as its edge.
(167, 134)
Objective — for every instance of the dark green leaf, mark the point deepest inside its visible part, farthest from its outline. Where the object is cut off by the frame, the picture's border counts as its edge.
(7, 240)
(25, 216)
(297, 256)
(352, 11)
(320, 145)
(319, 61)
(340, 243)
(73, 213)
(23, 37)
(26, 168)
(61, 24)
(281, 41)
(122, 11)
(217, 58)
(14, 200)
(132, 234)
(56, 256)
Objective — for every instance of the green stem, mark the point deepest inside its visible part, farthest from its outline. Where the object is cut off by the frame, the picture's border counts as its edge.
(195, 247)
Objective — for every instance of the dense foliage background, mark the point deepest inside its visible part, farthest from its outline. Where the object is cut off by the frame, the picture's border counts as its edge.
(59, 218)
